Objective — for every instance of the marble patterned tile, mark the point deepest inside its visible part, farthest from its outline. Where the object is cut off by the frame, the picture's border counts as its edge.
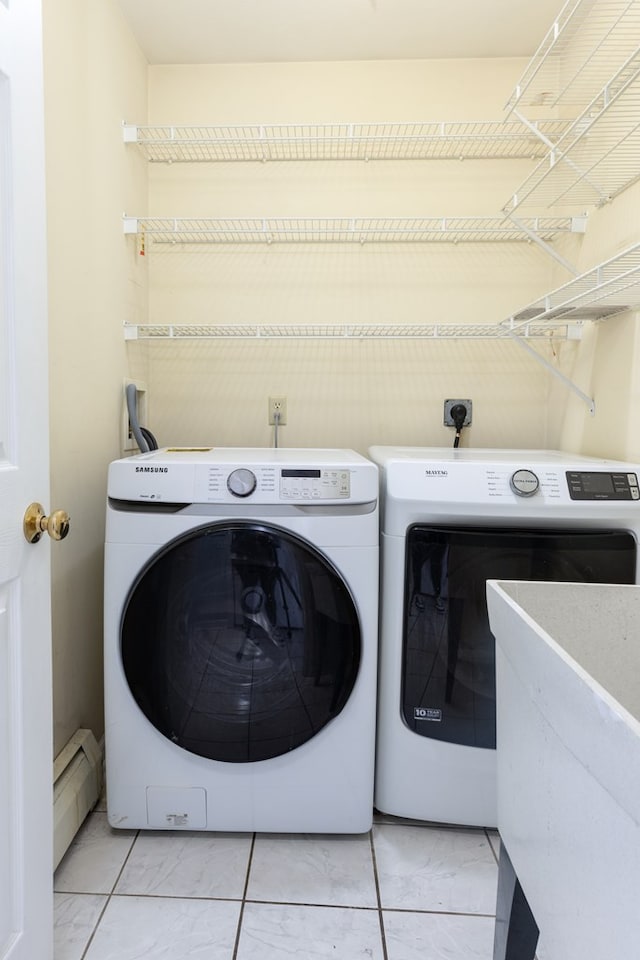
(175, 864)
(94, 860)
(428, 868)
(75, 917)
(159, 928)
(283, 932)
(313, 869)
(418, 936)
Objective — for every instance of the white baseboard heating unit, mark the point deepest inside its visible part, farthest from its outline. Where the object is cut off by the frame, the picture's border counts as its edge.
(77, 784)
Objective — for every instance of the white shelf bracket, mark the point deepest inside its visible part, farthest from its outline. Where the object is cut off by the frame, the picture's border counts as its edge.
(557, 154)
(535, 129)
(536, 238)
(590, 402)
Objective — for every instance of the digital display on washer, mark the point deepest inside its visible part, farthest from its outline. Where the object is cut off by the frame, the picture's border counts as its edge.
(600, 485)
(301, 473)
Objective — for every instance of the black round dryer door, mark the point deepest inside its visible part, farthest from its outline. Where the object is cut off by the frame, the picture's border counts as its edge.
(240, 642)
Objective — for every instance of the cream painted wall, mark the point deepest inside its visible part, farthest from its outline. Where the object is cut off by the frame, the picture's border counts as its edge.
(341, 393)
(95, 77)
(368, 91)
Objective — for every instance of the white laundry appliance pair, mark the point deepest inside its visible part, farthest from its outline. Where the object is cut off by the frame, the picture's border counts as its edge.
(451, 519)
(241, 597)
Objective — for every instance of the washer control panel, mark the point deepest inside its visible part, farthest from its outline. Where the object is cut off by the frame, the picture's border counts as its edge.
(267, 483)
(602, 485)
(314, 484)
(243, 477)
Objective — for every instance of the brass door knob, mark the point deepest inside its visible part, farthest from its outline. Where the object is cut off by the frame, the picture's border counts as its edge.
(36, 523)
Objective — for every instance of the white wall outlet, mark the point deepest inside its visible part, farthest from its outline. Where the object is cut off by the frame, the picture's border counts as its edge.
(277, 405)
(128, 441)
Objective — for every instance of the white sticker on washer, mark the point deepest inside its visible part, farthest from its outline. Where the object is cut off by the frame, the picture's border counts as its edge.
(177, 819)
(427, 713)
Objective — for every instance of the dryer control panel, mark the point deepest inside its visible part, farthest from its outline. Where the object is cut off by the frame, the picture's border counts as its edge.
(504, 486)
(601, 485)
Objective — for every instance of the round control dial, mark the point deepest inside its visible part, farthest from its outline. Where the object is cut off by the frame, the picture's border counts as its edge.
(241, 482)
(524, 483)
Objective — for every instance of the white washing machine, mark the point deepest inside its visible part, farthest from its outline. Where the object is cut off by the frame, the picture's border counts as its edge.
(241, 597)
(451, 519)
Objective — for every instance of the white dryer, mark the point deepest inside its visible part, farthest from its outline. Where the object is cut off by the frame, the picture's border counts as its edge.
(451, 519)
(241, 596)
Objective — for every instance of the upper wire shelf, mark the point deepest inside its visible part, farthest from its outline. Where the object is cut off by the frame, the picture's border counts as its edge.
(588, 39)
(598, 155)
(434, 140)
(167, 230)
(588, 68)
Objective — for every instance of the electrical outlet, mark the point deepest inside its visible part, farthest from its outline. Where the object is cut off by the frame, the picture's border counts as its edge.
(448, 406)
(277, 405)
(127, 439)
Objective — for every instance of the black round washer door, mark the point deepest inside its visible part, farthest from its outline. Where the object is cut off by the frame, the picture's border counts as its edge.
(240, 642)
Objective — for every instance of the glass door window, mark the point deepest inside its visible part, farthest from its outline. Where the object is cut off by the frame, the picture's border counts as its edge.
(448, 675)
(240, 642)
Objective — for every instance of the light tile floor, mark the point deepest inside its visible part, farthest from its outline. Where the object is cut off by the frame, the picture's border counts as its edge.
(405, 891)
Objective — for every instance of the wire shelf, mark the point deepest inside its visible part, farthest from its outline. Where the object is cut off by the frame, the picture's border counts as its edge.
(575, 59)
(434, 140)
(611, 288)
(588, 67)
(598, 156)
(606, 290)
(423, 331)
(347, 230)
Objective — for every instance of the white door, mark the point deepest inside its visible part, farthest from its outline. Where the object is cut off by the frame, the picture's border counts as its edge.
(25, 631)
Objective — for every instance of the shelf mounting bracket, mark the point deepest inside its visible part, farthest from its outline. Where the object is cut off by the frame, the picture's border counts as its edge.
(590, 402)
(544, 245)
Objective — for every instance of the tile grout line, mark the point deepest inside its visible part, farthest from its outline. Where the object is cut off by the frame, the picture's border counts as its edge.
(378, 897)
(359, 908)
(109, 896)
(236, 945)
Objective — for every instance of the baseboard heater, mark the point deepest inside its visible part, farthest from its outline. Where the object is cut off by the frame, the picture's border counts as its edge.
(77, 784)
